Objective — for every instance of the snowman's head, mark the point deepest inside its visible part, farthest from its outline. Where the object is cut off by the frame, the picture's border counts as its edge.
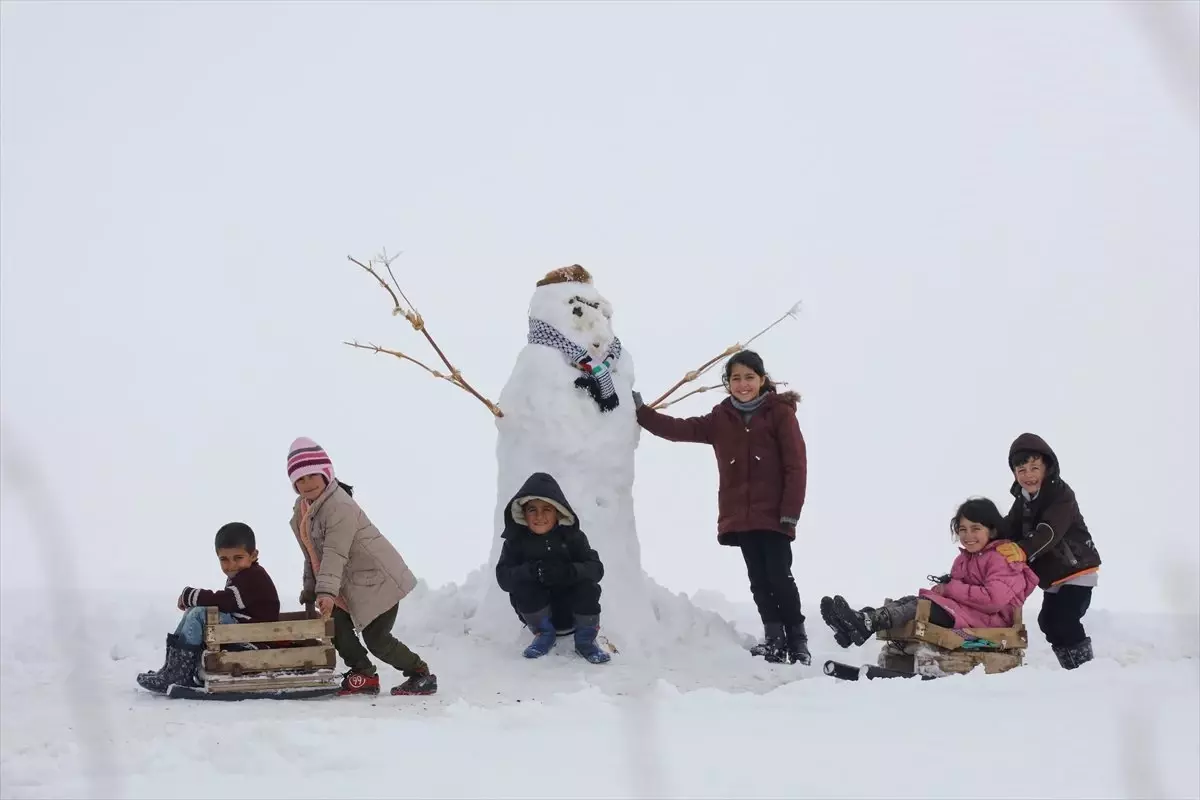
(566, 299)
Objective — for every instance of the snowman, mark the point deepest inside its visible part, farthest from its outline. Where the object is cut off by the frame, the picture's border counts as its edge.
(569, 411)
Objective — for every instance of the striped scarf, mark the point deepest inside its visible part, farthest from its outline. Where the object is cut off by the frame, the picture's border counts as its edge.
(314, 558)
(597, 378)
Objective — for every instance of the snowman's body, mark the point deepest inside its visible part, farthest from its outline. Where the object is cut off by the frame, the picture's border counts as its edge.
(551, 425)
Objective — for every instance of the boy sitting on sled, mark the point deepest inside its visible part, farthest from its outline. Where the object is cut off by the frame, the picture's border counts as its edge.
(249, 596)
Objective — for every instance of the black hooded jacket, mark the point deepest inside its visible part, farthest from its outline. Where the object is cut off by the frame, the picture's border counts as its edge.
(1071, 551)
(564, 543)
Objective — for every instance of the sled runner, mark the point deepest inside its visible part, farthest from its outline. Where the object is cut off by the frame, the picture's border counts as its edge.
(285, 660)
(920, 647)
(850, 672)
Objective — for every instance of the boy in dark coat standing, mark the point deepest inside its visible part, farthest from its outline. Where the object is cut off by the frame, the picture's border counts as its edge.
(549, 570)
(1046, 522)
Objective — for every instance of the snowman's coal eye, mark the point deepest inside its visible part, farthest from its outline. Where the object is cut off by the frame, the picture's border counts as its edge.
(578, 299)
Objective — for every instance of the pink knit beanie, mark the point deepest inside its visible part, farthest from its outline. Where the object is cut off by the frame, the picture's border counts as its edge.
(306, 457)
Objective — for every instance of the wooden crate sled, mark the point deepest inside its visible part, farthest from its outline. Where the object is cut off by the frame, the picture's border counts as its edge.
(921, 647)
(290, 659)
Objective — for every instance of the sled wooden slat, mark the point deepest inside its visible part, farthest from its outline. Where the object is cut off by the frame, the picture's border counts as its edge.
(922, 630)
(922, 647)
(282, 631)
(267, 660)
(288, 682)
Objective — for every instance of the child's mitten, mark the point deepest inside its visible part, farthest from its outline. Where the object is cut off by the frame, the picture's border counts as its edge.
(187, 598)
(1011, 551)
(557, 573)
(938, 578)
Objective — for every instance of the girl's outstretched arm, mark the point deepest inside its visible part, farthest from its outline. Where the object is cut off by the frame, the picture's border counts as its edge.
(674, 429)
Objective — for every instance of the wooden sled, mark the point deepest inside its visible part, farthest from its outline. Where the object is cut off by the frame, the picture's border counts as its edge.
(929, 650)
(290, 659)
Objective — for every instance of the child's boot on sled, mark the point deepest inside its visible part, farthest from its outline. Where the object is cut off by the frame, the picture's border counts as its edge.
(182, 662)
(544, 635)
(587, 628)
(1074, 656)
(774, 644)
(797, 645)
(420, 682)
(179, 669)
(359, 681)
(152, 676)
(850, 626)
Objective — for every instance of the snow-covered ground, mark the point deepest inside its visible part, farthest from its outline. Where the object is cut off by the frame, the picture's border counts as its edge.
(703, 719)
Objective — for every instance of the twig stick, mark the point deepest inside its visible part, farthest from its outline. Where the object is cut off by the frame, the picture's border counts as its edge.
(418, 323)
(403, 357)
(696, 373)
(734, 348)
(689, 394)
(703, 389)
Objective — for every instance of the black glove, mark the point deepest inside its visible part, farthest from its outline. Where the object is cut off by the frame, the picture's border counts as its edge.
(637, 400)
(307, 596)
(557, 573)
(938, 578)
(527, 572)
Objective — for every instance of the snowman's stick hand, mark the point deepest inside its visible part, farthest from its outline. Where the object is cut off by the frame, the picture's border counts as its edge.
(707, 365)
(418, 323)
(456, 380)
(703, 389)
(403, 357)
(689, 394)
(696, 373)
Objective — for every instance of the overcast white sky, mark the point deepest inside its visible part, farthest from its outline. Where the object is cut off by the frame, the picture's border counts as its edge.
(991, 213)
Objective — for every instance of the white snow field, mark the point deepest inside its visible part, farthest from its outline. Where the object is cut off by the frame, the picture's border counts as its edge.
(703, 719)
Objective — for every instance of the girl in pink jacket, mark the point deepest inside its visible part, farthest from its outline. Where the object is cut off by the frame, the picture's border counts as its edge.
(987, 583)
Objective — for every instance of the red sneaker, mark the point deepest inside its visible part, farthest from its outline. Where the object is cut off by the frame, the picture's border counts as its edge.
(359, 683)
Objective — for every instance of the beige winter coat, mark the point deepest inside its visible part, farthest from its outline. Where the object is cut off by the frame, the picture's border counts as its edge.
(356, 561)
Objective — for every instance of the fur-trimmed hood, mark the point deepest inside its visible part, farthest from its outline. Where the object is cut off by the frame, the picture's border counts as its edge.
(539, 486)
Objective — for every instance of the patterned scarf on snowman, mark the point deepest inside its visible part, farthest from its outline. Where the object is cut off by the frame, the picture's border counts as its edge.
(597, 378)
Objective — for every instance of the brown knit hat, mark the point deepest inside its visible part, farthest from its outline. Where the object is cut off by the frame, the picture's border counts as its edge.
(571, 274)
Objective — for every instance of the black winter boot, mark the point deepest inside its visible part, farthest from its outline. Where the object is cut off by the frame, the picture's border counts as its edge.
(180, 667)
(773, 641)
(797, 645)
(878, 619)
(143, 675)
(182, 662)
(1074, 656)
(848, 626)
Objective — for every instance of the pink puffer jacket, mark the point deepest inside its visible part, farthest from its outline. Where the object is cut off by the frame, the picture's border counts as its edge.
(985, 588)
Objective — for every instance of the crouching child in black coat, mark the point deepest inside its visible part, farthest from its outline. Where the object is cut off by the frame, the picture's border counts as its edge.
(551, 573)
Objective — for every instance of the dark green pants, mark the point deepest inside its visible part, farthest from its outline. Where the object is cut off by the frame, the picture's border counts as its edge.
(381, 643)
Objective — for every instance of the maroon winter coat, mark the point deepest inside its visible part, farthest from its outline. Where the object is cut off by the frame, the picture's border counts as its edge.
(763, 464)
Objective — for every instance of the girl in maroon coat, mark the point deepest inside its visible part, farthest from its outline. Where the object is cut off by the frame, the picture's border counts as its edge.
(763, 471)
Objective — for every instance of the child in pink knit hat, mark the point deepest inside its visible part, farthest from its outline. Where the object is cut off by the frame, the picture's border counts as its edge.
(352, 573)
